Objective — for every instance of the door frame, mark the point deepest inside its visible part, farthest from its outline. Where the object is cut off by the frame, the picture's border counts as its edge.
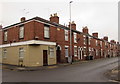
(45, 58)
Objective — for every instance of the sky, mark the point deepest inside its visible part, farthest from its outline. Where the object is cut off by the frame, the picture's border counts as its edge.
(98, 15)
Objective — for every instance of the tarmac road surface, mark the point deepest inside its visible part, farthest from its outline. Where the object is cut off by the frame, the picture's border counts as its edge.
(91, 71)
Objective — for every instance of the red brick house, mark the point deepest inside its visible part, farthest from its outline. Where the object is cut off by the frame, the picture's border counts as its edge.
(53, 33)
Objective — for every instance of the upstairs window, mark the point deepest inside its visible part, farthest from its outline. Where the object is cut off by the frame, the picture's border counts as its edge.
(84, 38)
(75, 37)
(5, 35)
(21, 32)
(96, 43)
(101, 43)
(46, 32)
(89, 40)
(66, 35)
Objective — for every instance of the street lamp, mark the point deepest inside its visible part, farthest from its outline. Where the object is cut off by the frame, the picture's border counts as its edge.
(70, 58)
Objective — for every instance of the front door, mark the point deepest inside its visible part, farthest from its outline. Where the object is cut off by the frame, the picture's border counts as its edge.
(45, 58)
(58, 56)
(81, 54)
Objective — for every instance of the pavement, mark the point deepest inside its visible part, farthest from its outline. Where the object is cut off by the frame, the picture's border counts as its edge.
(18, 68)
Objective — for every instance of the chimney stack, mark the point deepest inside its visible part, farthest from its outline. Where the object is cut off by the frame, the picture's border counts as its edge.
(54, 18)
(106, 38)
(23, 19)
(1, 36)
(73, 25)
(85, 30)
(112, 41)
(0, 26)
(95, 34)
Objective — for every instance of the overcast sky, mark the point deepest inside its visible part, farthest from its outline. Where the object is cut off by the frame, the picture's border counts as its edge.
(99, 15)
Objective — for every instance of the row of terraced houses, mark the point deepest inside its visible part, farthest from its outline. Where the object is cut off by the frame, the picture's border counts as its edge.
(39, 42)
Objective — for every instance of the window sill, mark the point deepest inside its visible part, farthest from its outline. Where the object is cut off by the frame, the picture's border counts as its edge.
(46, 38)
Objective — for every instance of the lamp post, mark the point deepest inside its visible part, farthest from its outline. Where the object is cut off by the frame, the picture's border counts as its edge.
(70, 57)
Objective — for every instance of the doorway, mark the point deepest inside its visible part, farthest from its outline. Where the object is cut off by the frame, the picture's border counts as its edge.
(45, 58)
(58, 54)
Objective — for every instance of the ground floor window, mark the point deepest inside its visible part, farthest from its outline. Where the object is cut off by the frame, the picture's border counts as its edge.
(96, 52)
(75, 51)
(84, 51)
(21, 52)
(66, 51)
(51, 52)
(5, 53)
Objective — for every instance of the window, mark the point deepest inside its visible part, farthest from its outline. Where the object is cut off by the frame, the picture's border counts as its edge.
(46, 32)
(84, 38)
(105, 43)
(75, 37)
(21, 32)
(66, 51)
(101, 43)
(51, 52)
(5, 35)
(5, 53)
(96, 52)
(21, 53)
(75, 51)
(96, 43)
(66, 35)
(89, 40)
(84, 51)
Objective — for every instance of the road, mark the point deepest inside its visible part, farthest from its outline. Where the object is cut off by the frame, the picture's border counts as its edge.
(91, 71)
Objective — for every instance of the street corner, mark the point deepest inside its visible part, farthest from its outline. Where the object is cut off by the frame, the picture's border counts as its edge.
(0, 66)
(52, 67)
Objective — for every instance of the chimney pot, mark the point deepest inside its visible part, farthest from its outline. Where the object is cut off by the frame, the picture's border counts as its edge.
(95, 34)
(105, 38)
(85, 30)
(23, 19)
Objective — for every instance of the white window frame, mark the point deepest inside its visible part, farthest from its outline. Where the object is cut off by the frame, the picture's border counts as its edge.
(4, 53)
(46, 32)
(21, 32)
(66, 35)
(51, 52)
(96, 52)
(75, 37)
(84, 39)
(5, 35)
(21, 53)
(101, 43)
(66, 51)
(84, 51)
(89, 41)
(105, 43)
(75, 51)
